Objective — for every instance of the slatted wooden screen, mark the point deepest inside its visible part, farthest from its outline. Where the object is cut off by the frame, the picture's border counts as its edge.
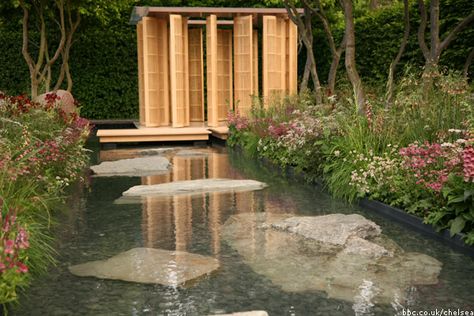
(274, 56)
(224, 74)
(255, 62)
(196, 76)
(141, 90)
(243, 63)
(212, 65)
(179, 76)
(279, 57)
(292, 63)
(154, 51)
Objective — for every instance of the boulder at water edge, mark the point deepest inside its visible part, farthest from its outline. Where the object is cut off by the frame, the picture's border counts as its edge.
(149, 265)
(133, 167)
(194, 187)
(65, 101)
(336, 254)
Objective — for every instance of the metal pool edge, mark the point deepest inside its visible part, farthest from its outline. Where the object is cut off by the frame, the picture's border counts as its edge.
(417, 224)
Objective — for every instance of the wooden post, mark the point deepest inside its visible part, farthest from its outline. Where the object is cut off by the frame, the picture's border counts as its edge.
(292, 85)
(243, 64)
(196, 76)
(141, 89)
(211, 60)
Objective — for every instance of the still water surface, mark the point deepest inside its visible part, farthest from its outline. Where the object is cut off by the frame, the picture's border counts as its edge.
(96, 228)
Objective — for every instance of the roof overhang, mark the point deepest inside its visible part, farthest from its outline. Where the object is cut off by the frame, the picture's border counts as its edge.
(199, 13)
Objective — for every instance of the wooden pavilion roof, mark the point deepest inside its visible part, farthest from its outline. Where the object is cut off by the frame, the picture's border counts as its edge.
(197, 14)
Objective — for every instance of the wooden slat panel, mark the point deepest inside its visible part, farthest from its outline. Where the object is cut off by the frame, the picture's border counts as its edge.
(141, 90)
(178, 71)
(255, 62)
(274, 56)
(243, 63)
(224, 73)
(211, 61)
(155, 72)
(292, 64)
(196, 76)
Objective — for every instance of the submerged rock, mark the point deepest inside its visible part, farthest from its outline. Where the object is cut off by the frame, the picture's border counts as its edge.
(334, 229)
(194, 187)
(149, 265)
(300, 254)
(250, 313)
(133, 167)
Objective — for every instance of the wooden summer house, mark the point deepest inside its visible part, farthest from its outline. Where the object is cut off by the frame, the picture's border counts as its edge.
(195, 64)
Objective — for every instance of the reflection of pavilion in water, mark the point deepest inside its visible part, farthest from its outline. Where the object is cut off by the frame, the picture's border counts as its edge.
(168, 220)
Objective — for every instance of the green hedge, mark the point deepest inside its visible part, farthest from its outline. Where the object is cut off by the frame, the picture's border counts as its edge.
(104, 64)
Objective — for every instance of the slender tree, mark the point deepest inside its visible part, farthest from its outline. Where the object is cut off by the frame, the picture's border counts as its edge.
(350, 62)
(336, 52)
(394, 63)
(432, 53)
(305, 29)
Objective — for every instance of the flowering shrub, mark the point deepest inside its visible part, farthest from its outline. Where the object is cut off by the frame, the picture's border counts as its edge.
(13, 248)
(41, 153)
(377, 176)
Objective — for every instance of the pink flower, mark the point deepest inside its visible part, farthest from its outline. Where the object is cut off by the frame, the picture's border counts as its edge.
(22, 268)
(9, 247)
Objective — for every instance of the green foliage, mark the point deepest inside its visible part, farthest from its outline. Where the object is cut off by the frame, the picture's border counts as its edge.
(41, 153)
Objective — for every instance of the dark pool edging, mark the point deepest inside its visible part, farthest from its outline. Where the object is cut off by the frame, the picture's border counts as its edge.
(417, 224)
(411, 221)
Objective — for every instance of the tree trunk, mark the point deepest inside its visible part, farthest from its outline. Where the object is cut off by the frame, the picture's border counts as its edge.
(352, 73)
(307, 70)
(468, 63)
(335, 52)
(336, 58)
(393, 65)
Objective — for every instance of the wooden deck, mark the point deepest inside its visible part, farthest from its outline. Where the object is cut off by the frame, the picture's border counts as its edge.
(160, 134)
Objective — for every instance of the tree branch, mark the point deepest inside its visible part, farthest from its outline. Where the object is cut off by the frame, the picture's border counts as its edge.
(452, 35)
(24, 50)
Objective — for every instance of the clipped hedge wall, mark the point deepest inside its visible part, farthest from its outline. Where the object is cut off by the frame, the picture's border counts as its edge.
(104, 63)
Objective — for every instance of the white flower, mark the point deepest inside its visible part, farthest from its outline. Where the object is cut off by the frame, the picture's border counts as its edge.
(461, 141)
(337, 153)
(447, 145)
(453, 130)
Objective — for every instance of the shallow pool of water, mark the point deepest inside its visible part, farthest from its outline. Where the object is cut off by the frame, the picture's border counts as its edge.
(96, 227)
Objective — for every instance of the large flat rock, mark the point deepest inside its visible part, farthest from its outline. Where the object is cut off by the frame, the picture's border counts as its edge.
(141, 166)
(298, 259)
(149, 265)
(194, 187)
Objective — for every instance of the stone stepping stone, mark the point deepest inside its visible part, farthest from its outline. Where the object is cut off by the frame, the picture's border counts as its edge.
(191, 187)
(133, 167)
(149, 265)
